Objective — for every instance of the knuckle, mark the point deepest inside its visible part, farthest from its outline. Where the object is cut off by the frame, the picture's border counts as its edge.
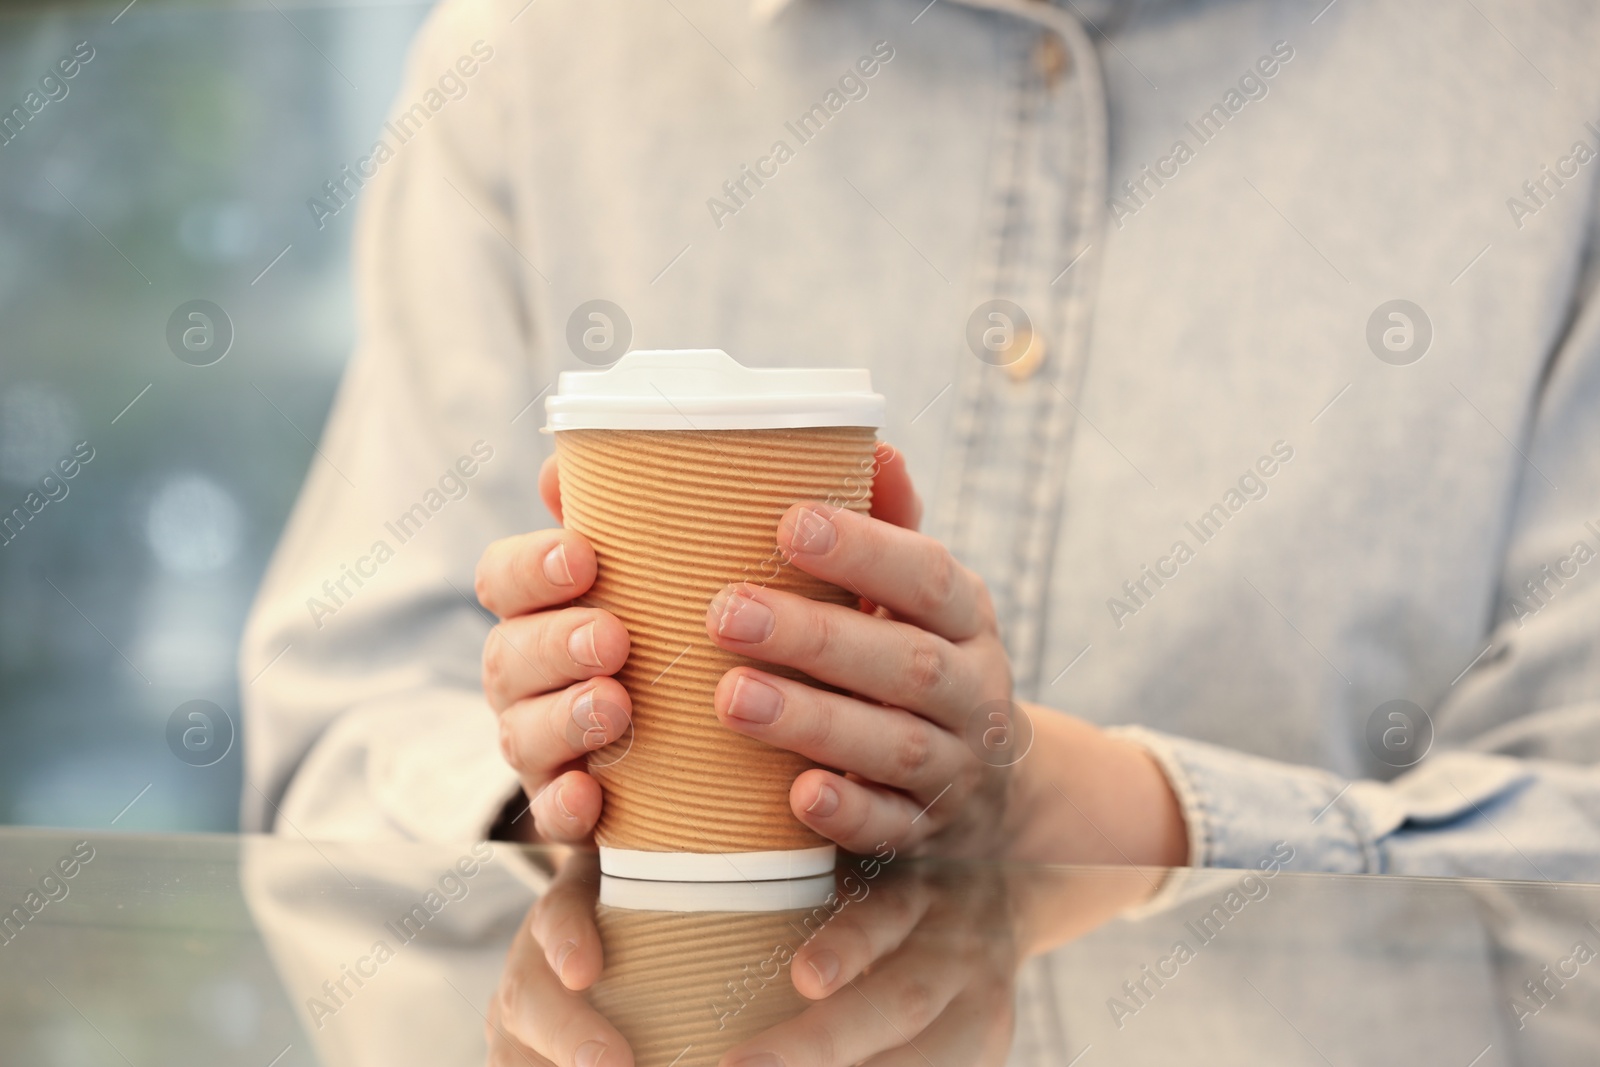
(513, 989)
(549, 644)
(926, 671)
(898, 910)
(915, 1005)
(822, 1041)
(494, 666)
(524, 569)
(868, 943)
(913, 749)
(549, 647)
(821, 724)
(855, 822)
(938, 586)
(569, 1033)
(511, 747)
(522, 639)
(827, 1045)
(822, 638)
(484, 585)
(482, 589)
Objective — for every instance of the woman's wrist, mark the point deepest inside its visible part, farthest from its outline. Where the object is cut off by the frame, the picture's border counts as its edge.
(1084, 796)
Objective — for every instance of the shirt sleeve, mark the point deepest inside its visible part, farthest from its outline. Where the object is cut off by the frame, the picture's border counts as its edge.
(363, 710)
(320, 934)
(1511, 785)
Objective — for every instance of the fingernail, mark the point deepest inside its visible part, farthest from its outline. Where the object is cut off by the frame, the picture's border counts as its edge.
(755, 701)
(813, 532)
(556, 570)
(590, 1052)
(561, 802)
(825, 965)
(580, 646)
(594, 725)
(745, 619)
(563, 951)
(826, 804)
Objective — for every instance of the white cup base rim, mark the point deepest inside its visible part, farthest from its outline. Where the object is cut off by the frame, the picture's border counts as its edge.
(717, 866)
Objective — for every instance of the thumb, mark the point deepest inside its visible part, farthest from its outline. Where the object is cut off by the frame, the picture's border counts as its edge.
(894, 500)
(550, 486)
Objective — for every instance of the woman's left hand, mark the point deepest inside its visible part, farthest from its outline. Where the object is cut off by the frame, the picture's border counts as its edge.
(927, 682)
(918, 668)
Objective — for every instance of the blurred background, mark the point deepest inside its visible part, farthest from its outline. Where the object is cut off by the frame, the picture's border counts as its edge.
(174, 166)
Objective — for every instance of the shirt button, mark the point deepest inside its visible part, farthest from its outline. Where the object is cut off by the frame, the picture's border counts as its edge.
(1027, 364)
(1050, 59)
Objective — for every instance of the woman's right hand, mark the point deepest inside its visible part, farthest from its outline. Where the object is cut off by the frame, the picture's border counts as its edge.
(547, 669)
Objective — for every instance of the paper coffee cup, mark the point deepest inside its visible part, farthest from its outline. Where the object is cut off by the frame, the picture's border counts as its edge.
(692, 970)
(677, 467)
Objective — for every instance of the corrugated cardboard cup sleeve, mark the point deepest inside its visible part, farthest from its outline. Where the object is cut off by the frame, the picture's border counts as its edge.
(674, 517)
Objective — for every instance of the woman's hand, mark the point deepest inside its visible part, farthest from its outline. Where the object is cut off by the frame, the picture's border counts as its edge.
(925, 675)
(546, 672)
(922, 672)
(915, 671)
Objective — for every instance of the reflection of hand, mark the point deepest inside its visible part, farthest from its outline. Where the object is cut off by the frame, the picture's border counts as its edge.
(915, 966)
(546, 671)
(539, 1007)
(920, 970)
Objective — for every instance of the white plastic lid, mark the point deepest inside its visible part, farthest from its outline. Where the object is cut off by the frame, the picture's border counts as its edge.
(707, 389)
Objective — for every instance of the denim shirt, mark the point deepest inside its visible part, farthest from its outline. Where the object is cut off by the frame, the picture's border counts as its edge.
(1290, 470)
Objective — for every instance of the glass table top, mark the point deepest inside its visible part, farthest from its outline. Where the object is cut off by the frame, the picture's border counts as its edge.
(274, 952)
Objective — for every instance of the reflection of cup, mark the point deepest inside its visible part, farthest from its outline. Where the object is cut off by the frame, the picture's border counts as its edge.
(693, 969)
(677, 467)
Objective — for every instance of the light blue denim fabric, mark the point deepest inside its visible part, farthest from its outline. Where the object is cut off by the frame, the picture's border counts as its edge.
(1373, 508)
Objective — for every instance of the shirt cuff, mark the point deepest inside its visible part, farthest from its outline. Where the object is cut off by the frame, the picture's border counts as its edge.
(1242, 810)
